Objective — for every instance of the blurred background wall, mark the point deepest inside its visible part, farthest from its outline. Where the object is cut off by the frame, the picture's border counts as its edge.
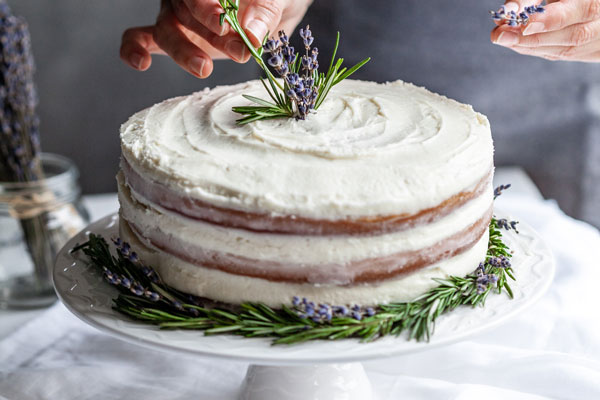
(86, 92)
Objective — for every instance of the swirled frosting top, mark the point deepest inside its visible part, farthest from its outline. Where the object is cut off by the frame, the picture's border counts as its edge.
(371, 149)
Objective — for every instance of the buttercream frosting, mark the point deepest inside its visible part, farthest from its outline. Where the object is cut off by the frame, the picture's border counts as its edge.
(371, 149)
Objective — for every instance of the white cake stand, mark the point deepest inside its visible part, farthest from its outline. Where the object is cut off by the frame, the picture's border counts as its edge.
(314, 370)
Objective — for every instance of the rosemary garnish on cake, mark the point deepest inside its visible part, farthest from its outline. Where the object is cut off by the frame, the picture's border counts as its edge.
(145, 297)
(301, 88)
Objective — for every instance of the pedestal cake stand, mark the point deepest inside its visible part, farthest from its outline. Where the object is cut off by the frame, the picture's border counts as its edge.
(314, 370)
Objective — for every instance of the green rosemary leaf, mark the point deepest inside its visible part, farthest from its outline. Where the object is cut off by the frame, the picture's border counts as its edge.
(222, 329)
(326, 86)
(259, 101)
(352, 70)
(335, 48)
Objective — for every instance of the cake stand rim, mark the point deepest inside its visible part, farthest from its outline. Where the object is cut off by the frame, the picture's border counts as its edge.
(117, 322)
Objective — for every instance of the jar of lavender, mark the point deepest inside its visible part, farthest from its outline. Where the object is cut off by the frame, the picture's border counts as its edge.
(37, 217)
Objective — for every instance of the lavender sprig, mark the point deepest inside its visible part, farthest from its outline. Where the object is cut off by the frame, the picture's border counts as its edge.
(512, 18)
(504, 223)
(19, 125)
(301, 89)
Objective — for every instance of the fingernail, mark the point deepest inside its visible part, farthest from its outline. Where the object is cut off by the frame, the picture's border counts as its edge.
(221, 30)
(512, 6)
(196, 64)
(534, 27)
(136, 60)
(258, 28)
(507, 39)
(236, 49)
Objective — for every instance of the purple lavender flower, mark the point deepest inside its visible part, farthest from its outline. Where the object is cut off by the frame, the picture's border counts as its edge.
(271, 46)
(484, 279)
(284, 38)
(512, 18)
(19, 134)
(300, 89)
(151, 295)
(323, 312)
(503, 223)
(498, 191)
(276, 61)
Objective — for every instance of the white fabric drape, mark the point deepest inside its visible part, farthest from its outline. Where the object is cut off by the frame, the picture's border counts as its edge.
(551, 350)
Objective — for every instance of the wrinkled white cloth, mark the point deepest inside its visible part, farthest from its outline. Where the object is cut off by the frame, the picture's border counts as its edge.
(551, 350)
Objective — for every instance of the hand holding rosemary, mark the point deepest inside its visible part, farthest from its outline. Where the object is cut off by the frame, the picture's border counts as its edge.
(145, 297)
(302, 88)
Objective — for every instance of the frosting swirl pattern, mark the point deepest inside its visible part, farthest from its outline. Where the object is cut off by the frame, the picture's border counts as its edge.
(371, 150)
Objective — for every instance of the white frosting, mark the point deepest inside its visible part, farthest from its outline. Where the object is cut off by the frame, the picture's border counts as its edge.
(371, 149)
(230, 288)
(298, 250)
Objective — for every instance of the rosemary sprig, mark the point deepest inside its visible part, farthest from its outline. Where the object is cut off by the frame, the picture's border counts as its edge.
(302, 88)
(144, 297)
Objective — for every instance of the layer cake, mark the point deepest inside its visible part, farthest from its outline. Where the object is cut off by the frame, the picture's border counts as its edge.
(384, 188)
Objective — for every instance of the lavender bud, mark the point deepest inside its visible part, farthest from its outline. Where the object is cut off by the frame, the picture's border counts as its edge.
(306, 62)
(292, 79)
(271, 45)
(283, 38)
(177, 305)
(305, 33)
(126, 282)
(283, 70)
(137, 289)
(296, 301)
(276, 61)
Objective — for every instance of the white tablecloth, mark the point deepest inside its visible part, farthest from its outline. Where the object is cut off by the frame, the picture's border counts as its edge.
(552, 350)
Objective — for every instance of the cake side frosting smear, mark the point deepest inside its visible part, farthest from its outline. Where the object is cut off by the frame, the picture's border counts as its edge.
(371, 150)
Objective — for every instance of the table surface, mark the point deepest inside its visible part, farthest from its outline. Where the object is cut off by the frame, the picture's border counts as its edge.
(103, 204)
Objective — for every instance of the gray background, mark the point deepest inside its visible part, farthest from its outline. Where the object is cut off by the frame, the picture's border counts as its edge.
(544, 115)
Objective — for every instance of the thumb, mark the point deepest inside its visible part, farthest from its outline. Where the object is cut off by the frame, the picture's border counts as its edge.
(262, 17)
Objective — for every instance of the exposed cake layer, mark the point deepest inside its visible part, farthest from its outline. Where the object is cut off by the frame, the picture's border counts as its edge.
(372, 150)
(298, 258)
(158, 194)
(231, 288)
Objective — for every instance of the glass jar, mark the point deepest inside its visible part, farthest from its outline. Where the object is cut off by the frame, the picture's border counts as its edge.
(36, 220)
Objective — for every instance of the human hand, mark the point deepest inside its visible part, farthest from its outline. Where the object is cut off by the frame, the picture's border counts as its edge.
(190, 33)
(567, 30)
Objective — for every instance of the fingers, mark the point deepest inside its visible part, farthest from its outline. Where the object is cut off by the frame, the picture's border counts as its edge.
(574, 35)
(168, 35)
(207, 13)
(564, 13)
(587, 52)
(230, 44)
(262, 16)
(136, 46)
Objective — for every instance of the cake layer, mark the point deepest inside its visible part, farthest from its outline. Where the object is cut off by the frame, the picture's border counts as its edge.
(231, 288)
(372, 150)
(297, 258)
(157, 193)
(296, 250)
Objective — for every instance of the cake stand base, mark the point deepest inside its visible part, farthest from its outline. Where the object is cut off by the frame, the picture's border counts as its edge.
(316, 382)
